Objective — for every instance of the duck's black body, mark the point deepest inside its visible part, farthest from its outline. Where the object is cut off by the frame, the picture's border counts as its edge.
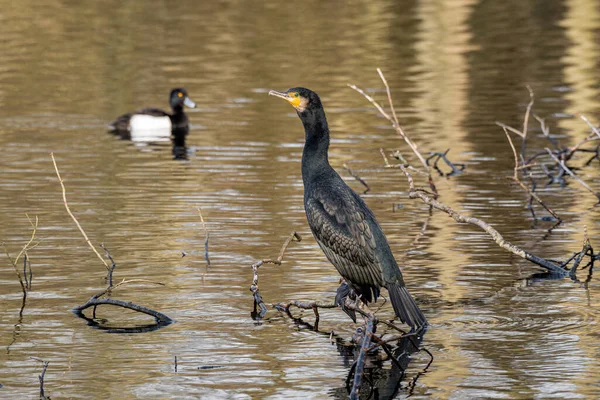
(177, 119)
(341, 222)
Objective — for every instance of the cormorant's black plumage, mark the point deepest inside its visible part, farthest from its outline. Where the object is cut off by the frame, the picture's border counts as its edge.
(341, 222)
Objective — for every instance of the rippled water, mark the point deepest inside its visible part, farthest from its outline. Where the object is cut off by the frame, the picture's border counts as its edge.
(455, 67)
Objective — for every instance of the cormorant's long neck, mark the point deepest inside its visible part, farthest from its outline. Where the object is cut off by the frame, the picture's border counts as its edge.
(314, 156)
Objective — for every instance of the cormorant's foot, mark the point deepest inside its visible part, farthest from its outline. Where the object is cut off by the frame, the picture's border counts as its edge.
(343, 292)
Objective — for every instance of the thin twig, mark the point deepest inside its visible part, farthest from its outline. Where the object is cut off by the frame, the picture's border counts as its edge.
(515, 178)
(41, 377)
(258, 301)
(526, 121)
(64, 194)
(395, 124)
(358, 178)
(594, 129)
(14, 262)
(566, 169)
(111, 269)
(206, 236)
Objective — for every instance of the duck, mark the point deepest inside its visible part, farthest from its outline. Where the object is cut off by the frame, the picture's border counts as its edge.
(343, 225)
(151, 124)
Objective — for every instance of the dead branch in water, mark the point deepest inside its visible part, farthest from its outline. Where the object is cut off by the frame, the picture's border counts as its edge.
(41, 377)
(64, 195)
(568, 170)
(23, 279)
(206, 236)
(359, 364)
(558, 269)
(101, 298)
(258, 300)
(516, 179)
(393, 119)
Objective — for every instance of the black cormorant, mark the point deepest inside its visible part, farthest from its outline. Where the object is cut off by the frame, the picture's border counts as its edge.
(341, 222)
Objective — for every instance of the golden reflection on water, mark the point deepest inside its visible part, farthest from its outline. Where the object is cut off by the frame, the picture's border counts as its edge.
(67, 68)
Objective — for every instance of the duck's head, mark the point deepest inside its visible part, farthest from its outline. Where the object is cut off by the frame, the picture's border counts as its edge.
(179, 98)
(305, 101)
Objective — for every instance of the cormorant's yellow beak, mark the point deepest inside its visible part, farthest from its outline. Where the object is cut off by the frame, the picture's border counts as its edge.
(291, 98)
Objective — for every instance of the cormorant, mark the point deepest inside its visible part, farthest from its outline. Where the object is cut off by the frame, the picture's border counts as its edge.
(341, 222)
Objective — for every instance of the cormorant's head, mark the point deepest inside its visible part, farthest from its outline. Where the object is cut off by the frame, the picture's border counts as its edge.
(300, 98)
(179, 98)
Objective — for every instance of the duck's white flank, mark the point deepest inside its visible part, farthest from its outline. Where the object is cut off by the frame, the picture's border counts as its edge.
(145, 128)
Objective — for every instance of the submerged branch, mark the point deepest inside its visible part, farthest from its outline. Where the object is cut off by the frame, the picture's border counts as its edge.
(95, 301)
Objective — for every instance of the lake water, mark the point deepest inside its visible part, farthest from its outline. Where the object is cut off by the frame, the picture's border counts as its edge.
(67, 68)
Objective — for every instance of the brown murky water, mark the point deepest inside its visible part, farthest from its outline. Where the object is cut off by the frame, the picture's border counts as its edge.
(67, 68)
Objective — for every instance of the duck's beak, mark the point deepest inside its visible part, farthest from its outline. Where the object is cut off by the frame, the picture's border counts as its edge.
(189, 103)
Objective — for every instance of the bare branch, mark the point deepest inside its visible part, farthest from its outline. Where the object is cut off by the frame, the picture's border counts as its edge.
(594, 129)
(359, 364)
(515, 178)
(258, 301)
(358, 178)
(206, 236)
(95, 301)
(496, 236)
(64, 194)
(567, 170)
(394, 121)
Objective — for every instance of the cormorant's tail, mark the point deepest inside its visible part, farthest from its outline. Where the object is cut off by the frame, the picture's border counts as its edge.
(405, 307)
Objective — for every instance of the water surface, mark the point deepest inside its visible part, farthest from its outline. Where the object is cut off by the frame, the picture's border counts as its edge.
(455, 67)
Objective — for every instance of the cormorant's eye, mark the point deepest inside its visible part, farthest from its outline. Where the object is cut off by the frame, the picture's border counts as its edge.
(296, 94)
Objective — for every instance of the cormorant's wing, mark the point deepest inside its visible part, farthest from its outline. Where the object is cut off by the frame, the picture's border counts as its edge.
(340, 224)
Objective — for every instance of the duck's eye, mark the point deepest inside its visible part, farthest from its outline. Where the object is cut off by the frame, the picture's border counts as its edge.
(296, 94)
(179, 94)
